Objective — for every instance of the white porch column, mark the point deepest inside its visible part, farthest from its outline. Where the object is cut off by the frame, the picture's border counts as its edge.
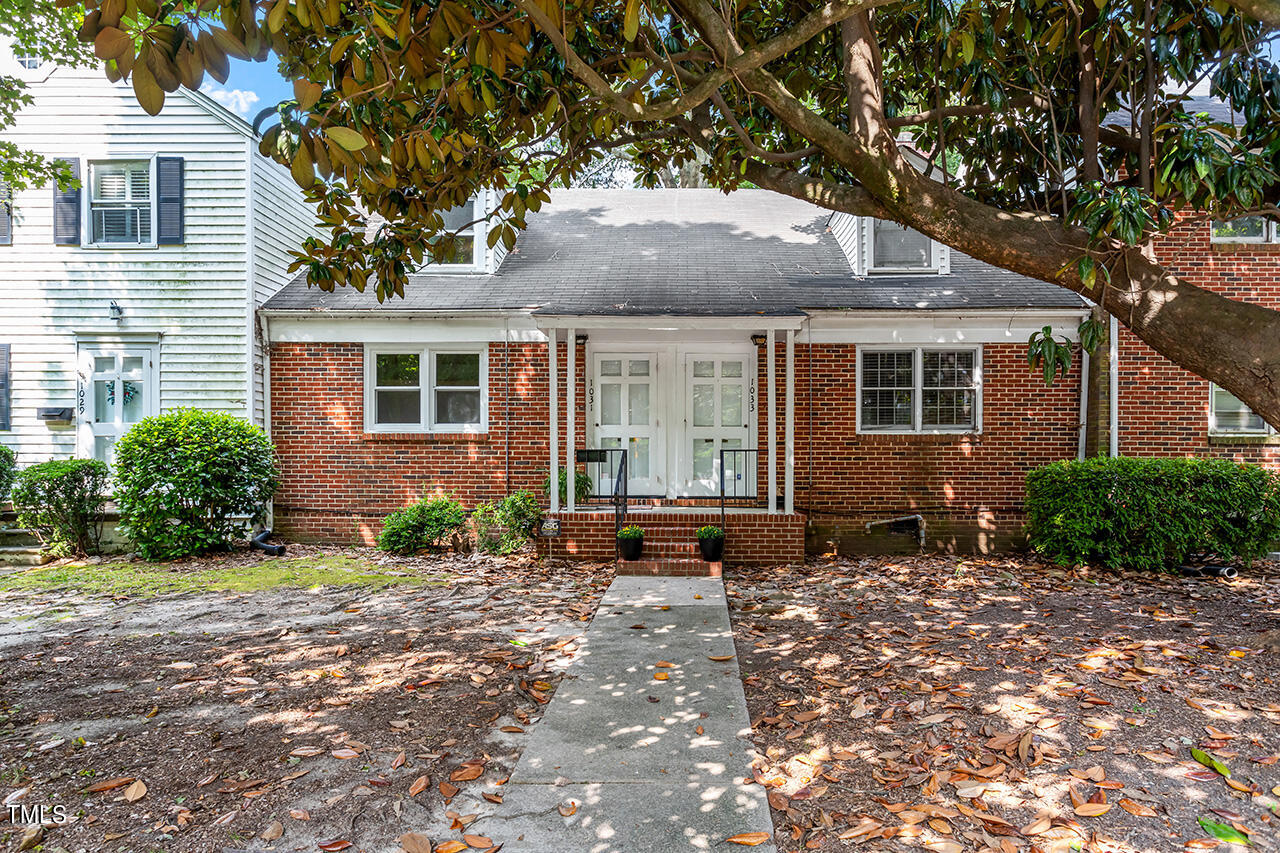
(789, 488)
(570, 419)
(771, 383)
(554, 444)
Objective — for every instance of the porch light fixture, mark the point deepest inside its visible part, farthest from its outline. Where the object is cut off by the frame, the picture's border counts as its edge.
(580, 339)
(759, 340)
(117, 313)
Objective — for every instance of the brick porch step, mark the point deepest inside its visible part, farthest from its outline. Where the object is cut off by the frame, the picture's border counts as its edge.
(670, 568)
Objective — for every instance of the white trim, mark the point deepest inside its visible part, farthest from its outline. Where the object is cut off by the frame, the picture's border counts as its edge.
(571, 420)
(789, 435)
(553, 444)
(941, 328)
(917, 388)
(668, 322)
(289, 327)
(89, 347)
(936, 253)
(772, 382)
(1270, 233)
(250, 300)
(1266, 429)
(1113, 387)
(427, 424)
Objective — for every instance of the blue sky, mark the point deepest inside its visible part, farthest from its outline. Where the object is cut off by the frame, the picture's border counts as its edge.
(251, 87)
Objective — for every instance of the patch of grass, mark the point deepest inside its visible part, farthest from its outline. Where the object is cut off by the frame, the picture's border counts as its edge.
(145, 579)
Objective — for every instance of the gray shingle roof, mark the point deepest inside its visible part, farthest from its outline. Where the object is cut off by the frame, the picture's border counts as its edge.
(685, 252)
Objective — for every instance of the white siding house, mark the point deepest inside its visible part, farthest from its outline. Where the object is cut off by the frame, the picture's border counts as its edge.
(148, 277)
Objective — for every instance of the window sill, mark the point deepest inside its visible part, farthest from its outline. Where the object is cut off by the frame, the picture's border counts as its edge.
(426, 437)
(113, 246)
(932, 437)
(1222, 438)
(1232, 246)
(903, 271)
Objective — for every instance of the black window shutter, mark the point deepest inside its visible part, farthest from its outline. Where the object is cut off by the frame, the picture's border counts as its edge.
(169, 193)
(66, 211)
(6, 216)
(5, 422)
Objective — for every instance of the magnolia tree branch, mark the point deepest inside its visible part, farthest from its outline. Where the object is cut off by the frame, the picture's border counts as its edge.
(1266, 11)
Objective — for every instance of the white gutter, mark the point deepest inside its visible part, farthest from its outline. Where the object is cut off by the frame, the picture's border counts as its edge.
(250, 260)
(1113, 397)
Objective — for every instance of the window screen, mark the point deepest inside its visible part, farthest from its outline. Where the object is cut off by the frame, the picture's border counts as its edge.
(888, 390)
(120, 202)
(895, 246)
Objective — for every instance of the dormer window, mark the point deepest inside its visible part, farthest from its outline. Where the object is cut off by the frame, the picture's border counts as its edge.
(896, 248)
(469, 243)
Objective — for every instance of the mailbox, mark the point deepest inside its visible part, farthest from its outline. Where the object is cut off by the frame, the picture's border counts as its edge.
(54, 414)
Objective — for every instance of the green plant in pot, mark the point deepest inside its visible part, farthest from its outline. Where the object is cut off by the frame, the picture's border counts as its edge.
(711, 543)
(631, 541)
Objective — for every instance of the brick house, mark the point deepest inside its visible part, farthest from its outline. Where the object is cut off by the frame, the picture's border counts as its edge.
(820, 375)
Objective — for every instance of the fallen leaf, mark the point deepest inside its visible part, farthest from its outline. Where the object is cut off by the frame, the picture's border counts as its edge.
(299, 814)
(398, 761)
(448, 791)
(719, 658)
(335, 844)
(568, 809)
(109, 784)
(1137, 809)
(419, 785)
(1222, 831)
(1092, 809)
(661, 676)
(135, 792)
(413, 842)
(480, 842)
(749, 839)
(1209, 761)
(345, 753)
(274, 830)
(451, 847)
(467, 772)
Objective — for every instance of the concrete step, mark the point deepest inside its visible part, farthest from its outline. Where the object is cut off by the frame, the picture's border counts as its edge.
(670, 568)
(11, 536)
(20, 555)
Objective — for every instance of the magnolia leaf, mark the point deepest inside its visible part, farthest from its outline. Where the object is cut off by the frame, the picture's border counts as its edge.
(145, 88)
(111, 43)
(349, 139)
(1209, 761)
(135, 792)
(1222, 831)
(1092, 809)
(275, 18)
(748, 839)
(631, 20)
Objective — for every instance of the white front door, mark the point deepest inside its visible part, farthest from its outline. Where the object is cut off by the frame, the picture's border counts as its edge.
(117, 389)
(719, 411)
(624, 408)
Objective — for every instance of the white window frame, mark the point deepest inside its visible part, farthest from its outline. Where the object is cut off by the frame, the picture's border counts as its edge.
(1270, 234)
(937, 260)
(1214, 429)
(479, 232)
(86, 200)
(917, 385)
(426, 353)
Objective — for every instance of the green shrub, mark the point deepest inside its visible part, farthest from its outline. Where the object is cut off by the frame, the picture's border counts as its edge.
(189, 482)
(8, 468)
(709, 531)
(631, 531)
(421, 526)
(504, 526)
(1151, 513)
(61, 502)
(581, 486)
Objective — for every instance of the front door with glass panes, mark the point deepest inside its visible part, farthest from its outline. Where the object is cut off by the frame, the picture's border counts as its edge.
(117, 389)
(624, 412)
(718, 414)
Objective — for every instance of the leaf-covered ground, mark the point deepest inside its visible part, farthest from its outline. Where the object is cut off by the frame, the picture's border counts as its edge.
(961, 704)
(274, 714)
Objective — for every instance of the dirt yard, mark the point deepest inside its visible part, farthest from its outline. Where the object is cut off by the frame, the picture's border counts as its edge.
(273, 714)
(957, 704)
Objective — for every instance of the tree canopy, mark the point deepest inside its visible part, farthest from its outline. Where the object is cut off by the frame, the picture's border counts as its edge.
(1058, 131)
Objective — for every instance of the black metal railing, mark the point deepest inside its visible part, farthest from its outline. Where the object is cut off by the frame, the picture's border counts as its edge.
(738, 467)
(608, 479)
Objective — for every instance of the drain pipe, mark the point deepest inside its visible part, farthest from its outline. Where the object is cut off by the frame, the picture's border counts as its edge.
(1084, 404)
(918, 519)
(1113, 396)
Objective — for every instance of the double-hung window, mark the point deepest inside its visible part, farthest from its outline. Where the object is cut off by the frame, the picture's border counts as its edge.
(919, 389)
(468, 234)
(121, 205)
(1228, 415)
(1246, 229)
(897, 248)
(425, 389)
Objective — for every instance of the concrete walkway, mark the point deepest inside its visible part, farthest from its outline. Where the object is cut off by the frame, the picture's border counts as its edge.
(651, 765)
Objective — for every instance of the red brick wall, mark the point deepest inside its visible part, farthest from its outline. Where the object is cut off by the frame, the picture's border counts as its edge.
(751, 537)
(969, 487)
(1164, 409)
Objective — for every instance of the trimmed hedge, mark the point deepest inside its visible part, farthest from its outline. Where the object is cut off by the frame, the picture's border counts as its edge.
(505, 526)
(1151, 514)
(8, 468)
(61, 502)
(189, 481)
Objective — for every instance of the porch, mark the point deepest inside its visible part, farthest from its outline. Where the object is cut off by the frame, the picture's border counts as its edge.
(665, 422)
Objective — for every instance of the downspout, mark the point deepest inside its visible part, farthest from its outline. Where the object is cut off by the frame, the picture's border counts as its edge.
(506, 399)
(265, 330)
(1114, 388)
(250, 270)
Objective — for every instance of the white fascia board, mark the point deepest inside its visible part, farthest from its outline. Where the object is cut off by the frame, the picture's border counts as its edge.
(982, 326)
(218, 111)
(402, 328)
(661, 322)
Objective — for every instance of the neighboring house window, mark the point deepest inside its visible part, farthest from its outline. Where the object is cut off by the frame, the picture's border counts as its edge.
(1228, 415)
(425, 390)
(1246, 229)
(896, 248)
(919, 390)
(120, 202)
(30, 63)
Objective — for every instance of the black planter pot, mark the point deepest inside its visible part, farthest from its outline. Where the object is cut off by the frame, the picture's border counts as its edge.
(630, 548)
(712, 548)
